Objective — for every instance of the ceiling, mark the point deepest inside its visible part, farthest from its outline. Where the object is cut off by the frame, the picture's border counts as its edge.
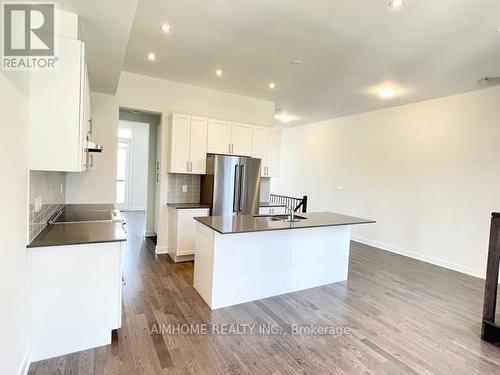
(105, 27)
(350, 48)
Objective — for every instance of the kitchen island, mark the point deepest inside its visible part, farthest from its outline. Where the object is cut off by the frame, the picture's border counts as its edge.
(243, 258)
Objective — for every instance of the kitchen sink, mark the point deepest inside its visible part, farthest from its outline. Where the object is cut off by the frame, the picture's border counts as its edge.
(285, 218)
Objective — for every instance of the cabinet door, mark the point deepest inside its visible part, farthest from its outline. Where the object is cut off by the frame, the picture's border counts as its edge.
(186, 230)
(241, 139)
(219, 136)
(198, 148)
(180, 138)
(55, 108)
(259, 148)
(273, 152)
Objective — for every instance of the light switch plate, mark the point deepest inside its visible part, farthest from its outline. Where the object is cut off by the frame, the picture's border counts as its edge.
(184, 188)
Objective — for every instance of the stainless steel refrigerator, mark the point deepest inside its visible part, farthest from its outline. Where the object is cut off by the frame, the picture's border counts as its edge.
(231, 185)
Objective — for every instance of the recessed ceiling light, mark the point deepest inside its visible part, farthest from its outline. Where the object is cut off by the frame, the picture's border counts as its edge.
(396, 3)
(218, 72)
(151, 56)
(166, 28)
(272, 85)
(387, 92)
(296, 62)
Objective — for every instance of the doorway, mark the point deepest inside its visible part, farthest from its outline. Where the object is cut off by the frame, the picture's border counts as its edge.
(138, 163)
(123, 173)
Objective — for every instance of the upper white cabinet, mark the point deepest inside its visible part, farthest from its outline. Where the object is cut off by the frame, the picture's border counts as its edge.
(192, 137)
(60, 113)
(267, 146)
(232, 138)
(188, 144)
(219, 137)
(241, 139)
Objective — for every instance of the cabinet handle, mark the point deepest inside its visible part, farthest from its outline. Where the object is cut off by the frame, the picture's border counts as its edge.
(91, 127)
(187, 166)
(91, 161)
(230, 148)
(190, 166)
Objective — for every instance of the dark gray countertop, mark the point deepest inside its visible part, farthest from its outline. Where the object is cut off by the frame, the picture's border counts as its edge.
(184, 206)
(249, 223)
(78, 233)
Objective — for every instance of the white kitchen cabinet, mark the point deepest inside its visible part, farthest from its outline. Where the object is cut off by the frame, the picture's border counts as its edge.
(241, 139)
(232, 138)
(219, 137)
(59, 115)
(198, 145)
(267, 146)
(76, 297)
(188, 144)
(182, 232)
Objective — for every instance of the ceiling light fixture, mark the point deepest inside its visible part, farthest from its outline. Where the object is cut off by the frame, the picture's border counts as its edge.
(218, 73)
(284, 117)
(151, 56)
(272, 85)
(394, 4)
(296, 62)
(167, 29)
(387, 92)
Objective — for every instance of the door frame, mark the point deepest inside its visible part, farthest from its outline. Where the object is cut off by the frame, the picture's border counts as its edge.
(125, 205)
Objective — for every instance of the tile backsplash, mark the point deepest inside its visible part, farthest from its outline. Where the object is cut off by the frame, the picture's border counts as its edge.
(175, 183)
(50, 189)
(192, 183)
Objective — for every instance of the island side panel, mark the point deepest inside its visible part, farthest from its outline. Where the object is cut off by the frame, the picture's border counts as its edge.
(204, 262)
(250, 266)
(319, 256)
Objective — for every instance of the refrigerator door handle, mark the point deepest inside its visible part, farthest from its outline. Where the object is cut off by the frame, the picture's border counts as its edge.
(242, 186)
(236, 196)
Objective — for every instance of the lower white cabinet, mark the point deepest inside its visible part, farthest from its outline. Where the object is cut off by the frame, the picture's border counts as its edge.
(182, 232)
(280, 210)
(76, 296)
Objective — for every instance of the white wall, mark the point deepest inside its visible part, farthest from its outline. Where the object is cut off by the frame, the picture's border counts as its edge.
(139, 163)
(98, 185)
(14, 257)
(429, 173)
(159, 95)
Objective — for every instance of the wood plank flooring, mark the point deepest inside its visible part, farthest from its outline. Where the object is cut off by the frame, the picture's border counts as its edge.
(396, 316)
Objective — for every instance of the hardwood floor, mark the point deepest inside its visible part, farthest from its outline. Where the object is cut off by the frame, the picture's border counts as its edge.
(395, 315)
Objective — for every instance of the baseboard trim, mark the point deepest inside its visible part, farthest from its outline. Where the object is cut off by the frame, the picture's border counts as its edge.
(424, 258)
(161, 250)
(25, 365)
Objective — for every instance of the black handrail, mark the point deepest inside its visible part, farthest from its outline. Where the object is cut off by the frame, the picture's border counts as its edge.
(294, 203)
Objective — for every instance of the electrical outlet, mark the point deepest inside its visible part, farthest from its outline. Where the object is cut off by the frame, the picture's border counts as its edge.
(339, 188)
(184, 188)
(61, 188)
(38, 203)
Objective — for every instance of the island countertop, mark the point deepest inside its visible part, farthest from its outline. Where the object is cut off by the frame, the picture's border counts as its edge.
(249, 223)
